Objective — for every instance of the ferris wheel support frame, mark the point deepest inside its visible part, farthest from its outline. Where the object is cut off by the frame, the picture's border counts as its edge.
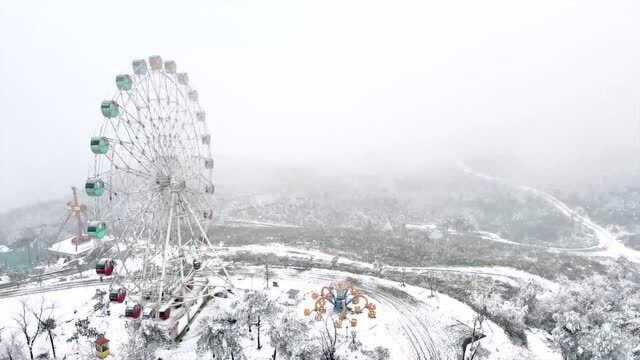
(195, 218)
(166, 247)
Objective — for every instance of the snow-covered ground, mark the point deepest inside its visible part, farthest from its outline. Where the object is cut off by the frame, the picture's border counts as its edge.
(245, 222)
(509, 275)
(496, 238)
(410, 322)
(4, 279)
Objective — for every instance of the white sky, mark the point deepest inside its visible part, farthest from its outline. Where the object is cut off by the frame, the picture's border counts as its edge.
(324, 82)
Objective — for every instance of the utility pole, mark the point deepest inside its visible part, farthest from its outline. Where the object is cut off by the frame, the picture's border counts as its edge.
(257, 324)
(266, 273)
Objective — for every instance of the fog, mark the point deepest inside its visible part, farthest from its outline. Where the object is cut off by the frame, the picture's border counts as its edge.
(334, 86)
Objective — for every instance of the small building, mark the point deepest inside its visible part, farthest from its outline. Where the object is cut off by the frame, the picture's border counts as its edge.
(72, 247)
(102, 347)
(290, 297)
(292, 294)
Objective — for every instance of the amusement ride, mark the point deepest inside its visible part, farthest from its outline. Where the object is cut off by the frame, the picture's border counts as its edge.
(346, 302)
(151, 181)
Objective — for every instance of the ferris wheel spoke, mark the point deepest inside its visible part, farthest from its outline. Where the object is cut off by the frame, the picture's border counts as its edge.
(126, 167)
(137, 148)
(131, 148)
(136, 96)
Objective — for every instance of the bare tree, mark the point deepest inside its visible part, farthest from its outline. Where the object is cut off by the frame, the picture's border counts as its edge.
(378, 267)
(431, 281)
(47, 323)
(334, 262)
(470, 345)
(328, 340)
(25, 324)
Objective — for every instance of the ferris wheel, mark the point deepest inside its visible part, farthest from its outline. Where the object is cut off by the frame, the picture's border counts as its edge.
(152, 181)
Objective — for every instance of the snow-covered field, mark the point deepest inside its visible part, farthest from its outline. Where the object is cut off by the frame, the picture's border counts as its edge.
(506, 274)
(410, 322)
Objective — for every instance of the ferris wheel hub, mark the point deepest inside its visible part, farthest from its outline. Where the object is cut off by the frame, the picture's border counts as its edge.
(169, 182)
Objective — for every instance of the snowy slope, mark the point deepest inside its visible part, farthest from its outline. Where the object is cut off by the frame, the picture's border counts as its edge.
(608, 244)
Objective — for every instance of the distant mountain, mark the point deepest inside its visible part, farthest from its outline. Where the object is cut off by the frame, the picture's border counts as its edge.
(14, 222)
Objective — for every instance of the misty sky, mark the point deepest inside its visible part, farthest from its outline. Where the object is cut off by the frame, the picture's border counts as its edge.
(321, 83)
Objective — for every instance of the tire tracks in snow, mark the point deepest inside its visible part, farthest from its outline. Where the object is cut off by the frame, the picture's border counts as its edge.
(414, 329)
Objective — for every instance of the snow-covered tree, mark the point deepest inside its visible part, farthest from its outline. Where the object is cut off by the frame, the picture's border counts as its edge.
(10, 347)
(257, 303)
(135, 347)
(379, 353)
(290, 338)
(594, 318)
(221, 339)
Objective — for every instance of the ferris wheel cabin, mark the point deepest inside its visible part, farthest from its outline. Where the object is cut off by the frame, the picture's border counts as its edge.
(170, 66)
(110, 109)
(196, 264)
(99, 145)
(164, 314)
(155, 62)
(97, 229)
(118, 295)
(94, 187)
(105, 267)
(201, 116)
(139, 67)
(133, 311)
(183, 78)
(124, 82)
